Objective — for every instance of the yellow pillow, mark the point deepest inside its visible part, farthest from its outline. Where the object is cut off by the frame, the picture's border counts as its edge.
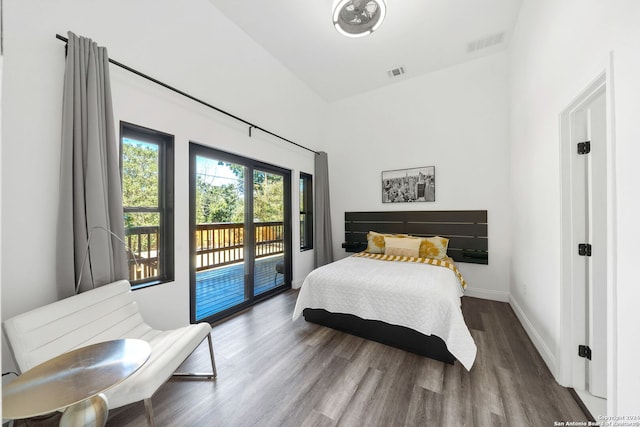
(433, 247)
(375, 241)
(402, 246)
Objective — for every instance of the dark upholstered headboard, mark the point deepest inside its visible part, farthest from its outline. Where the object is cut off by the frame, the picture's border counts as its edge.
(466, 230)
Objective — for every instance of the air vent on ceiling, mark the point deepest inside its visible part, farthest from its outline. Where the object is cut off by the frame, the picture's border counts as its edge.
(485, 42)
(396, 72)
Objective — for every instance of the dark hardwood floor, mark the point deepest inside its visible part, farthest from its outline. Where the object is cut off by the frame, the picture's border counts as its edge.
(276, 372)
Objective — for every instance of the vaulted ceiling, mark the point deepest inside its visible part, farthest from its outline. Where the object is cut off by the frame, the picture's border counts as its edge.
(421, 36)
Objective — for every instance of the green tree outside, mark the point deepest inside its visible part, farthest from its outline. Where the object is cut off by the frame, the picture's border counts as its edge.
(221, 201)
(268, 196)
(224, 202)
(140, 182)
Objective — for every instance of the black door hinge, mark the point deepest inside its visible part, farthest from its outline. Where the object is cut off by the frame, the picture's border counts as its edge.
(584, 249)
(584, 147)
(584, 351)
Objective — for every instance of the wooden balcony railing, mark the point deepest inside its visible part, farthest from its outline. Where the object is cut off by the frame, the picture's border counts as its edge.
(142, 242)
(217, 244)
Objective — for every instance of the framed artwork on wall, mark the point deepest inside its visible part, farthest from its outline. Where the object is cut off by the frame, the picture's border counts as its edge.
(409, 185)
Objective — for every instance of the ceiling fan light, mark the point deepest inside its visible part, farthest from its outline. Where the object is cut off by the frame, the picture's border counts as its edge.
(358, 18)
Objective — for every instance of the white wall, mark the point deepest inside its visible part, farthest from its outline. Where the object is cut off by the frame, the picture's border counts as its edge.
(195, 49)
(454, 119)
(559, 47)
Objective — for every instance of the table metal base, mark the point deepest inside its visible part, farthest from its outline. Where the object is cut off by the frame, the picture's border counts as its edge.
(92, 412)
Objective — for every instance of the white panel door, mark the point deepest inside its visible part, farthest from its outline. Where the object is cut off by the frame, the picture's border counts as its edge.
(597, 283)
(589, 211)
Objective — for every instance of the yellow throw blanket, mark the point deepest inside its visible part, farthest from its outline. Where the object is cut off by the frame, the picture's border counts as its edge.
(445, 262)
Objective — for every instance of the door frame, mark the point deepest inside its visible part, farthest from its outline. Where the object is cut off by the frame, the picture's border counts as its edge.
(196, 149)
(571, 326)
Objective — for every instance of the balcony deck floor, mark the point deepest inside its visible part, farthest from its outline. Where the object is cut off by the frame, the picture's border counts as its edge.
(220, 288)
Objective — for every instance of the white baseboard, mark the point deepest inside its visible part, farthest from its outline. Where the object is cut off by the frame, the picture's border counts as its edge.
(596, 405)
(296, 284)
(547, 355)
(487, 294)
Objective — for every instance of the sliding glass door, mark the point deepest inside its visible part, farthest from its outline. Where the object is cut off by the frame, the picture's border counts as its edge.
(240, 232)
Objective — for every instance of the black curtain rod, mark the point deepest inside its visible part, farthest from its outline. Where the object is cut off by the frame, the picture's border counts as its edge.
(193, 98)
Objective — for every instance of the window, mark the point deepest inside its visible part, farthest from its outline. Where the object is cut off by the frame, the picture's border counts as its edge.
(306, 211)
(147, 196)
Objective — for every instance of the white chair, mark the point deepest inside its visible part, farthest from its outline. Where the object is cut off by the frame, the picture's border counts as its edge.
(102, 314)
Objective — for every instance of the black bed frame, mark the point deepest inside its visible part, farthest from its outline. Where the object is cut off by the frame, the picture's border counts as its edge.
(396, 336)
(467, 234)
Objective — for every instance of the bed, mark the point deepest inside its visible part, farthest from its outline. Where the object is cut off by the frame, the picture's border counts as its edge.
(412, 303)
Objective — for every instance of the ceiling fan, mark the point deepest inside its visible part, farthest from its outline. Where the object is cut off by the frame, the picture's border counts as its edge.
(357, 18)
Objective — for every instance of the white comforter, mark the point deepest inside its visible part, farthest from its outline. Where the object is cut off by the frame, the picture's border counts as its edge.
(422, 297)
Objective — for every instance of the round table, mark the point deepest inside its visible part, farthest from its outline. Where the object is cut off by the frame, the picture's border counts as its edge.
(75, 381)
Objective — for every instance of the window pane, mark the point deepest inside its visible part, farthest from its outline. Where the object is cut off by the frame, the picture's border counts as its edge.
(219, 191)
(306, 211)
(269, 237)
(140, 178)
(268, 196)
(303, 237)
(142, 234)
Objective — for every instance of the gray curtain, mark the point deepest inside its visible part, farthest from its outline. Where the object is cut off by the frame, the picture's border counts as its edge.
(90, 216)
(322, 212)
